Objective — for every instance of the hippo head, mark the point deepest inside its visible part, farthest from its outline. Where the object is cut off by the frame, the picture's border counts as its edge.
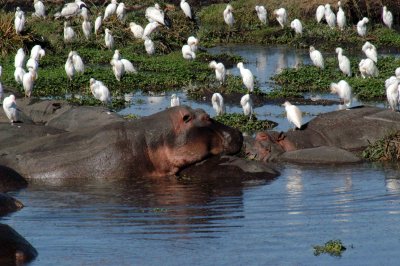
(186, 136)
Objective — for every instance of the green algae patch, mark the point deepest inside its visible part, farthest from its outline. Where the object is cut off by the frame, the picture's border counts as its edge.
(332, 247)
(385, 149)
(244, 123)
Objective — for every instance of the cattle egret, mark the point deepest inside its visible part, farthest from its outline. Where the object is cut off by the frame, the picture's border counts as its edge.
(296, 26)
(344, 62)
(175, 101)
(187, 52)
(69, 67)
(72, 9)
(247, 77)
(370, 51)
(97, 24)
(85, 13)
(77, 61)
(387, 17)
(69, 33)
(261, 14)
(100, 91)
(19, 74)
(137, 30)
(362, 27)
(293, 114)
(217, 102)
(392, 94)
(186, 9)
(150, 27)
(193, 42)
(37, 52)
(110, 9)
(19, 21)
(109, 39)
(1, 91)
(28, 81)
(121, 11)
(228, 15)
(10, 108)
(343, 90)
(368, 68)
(40, 10)
(320, 13)
(87, 28)
(330, 17)
(128, 66)
(149, 46)
(247, 105)
(316, 57)
(19, 58)
(220, 71)
(117, 68)
(281, 16)
(341, 17)
(32, 63)
(155, 13)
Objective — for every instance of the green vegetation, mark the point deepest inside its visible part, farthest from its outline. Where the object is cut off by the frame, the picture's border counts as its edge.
(244, 123)
(385, 149)
(332, 247)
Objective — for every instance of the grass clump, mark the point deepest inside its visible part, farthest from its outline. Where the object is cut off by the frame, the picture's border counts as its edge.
(332, 247)
(243, 123)
(385, 149)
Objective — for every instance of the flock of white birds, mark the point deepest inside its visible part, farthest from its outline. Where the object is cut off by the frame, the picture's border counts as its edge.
(156, 18)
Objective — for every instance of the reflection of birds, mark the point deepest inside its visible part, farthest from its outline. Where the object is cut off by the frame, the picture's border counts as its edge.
(186, 9)
(109, 39)
(293, 114)
(28, 81)
(247, 77)
(40, 10)
(137, 30)
(87, 28)
(387, 17)
(341, 17)
(368, 68)
(362, 27)
(281, 16)
(220, 71)
(344, 62)
(261, 14)
(100, 91)
(217, 102)
(316, 57)
(187, 52)
(392, 94)
(370, 51)
(247, 105)
(97, 24)
(149, 46)
(69, 33)
(121, 11)
(228, 15)
(175, 100)
(296, 26)
(343, 90)
(10, 108)
(110, 9)
(193, 42)
(320, 13)
(19, 21)
(330, 17)
(19, 58)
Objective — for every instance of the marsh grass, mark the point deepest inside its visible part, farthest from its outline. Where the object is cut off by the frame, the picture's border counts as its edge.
(244, 123)
(385, 149)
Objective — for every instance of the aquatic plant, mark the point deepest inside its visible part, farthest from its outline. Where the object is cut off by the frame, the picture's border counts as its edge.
(385, 149)
(332, 247)
(244, 124)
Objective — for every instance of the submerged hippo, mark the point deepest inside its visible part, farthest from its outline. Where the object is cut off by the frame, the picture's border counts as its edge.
(335, 137)
(157, 145)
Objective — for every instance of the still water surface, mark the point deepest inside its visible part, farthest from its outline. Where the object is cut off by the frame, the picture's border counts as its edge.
(170, 222)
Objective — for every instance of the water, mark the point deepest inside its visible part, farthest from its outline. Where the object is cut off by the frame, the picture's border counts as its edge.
(171, 222)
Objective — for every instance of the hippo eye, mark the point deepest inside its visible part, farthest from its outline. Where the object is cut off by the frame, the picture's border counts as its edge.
(187, 118)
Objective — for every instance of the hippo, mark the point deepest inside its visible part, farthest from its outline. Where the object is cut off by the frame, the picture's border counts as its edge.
(334, 137)
(157, 145)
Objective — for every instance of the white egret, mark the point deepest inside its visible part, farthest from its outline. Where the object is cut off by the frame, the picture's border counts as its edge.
(10, 108)
(121, 11)
(344, 62)
(247, 105)
(387, 17)
(149, 46)
(109, 39)
(220, 71)
(316, 57)
(186, 9)
(370, 51)
(128, 66)
(343, 90)
(330, 17)
(293, 114)
(281, 16)
(175, 101)
(137, 30)
(19, 58)
(97, 24)
(40, 9)
(87, 28)
(69, 33)
(37, 52)
(72, 9)
(155, 13)
(217, 102)
(397, 72)
(362, 27)
(150, 27)
(187, 52)
(1, 91)
(110, 9)
(368, 68)
(392, 94)
(261, 14)
(19, 21)
(228, 15)
(28, 81)
(69, 67)
(100, 91)
(116, 55)
(85, 13)
(19, 74)
(193, 42)
(77, 61)
(32, 63)
(297, 26)
(320, 13)
(247, 77)
(117, 68)
(341, 17)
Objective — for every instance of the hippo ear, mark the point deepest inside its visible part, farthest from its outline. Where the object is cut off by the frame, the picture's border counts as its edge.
(186, 118)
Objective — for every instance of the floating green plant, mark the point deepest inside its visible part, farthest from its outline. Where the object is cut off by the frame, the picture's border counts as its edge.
(332, 247)
(244, 123)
